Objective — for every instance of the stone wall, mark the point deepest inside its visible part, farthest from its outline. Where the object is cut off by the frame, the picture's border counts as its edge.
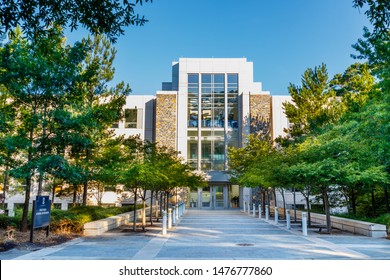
(166, 119)
(260, 114)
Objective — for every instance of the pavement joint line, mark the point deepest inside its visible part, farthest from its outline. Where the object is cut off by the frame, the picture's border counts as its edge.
(41, 253)
(332, 246)
(154, 246)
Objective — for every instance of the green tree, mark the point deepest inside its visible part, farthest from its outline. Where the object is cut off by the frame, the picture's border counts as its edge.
(99, 17)
(355, 86)
(97, 107)
(39, 76)
(313, 105)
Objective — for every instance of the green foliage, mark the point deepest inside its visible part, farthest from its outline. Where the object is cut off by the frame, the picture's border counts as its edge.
(6, 221)
(72, 220)
(106, 17)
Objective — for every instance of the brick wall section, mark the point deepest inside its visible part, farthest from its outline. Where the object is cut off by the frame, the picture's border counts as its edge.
(260, 114)
(166, 118)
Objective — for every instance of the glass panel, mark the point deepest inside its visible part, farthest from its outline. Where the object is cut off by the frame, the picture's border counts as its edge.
(130, 118)
(232, 78)
(193, 199)
(219, 197)
(206, 78)
(193, 78)
(206, 90)
(206, 197)
(193, 89)
(219, 155)
(206, 150)
(219, 117)
(192, 150)
(219, 78)
(205, 165)
(219, 89)
(192, 133)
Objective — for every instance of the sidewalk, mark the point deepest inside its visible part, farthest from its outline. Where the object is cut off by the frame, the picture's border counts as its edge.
(217, 234)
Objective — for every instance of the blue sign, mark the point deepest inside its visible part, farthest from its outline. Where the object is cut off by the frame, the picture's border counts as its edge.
(42, 211)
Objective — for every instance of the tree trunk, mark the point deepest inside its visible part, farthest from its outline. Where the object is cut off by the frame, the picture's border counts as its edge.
(5, 185)
(161, 205)
(295, 206)
(327, 210)
(386, 187)
(263, 200)
(74, 194)
(373, 201)
(135, 210)
(151, 208)
(24, 223)
(284, 203)
(144, 211)
(85, 193)
(307, 199)
(353, 201)
(53, 195)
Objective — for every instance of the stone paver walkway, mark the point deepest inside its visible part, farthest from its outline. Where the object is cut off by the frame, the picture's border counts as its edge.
(219, 235)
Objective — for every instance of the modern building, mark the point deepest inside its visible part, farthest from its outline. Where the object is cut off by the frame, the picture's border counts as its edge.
(211, 104)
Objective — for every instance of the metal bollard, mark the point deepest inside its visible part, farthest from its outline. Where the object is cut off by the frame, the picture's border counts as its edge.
(266, 212)
(249, 208)
(276, 215)
(164, 223)
(169, 218)
(304, 223)
(259, 211)
(254, 210)
(173, 215)
(177, 213)
(244, 207)
(288, 217)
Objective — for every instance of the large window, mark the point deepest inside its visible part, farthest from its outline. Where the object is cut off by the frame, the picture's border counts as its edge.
(193, 100)
(133, 118)
(212, 119)
(232, 110)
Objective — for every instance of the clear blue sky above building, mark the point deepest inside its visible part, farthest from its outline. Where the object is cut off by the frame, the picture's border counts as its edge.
(282, 38)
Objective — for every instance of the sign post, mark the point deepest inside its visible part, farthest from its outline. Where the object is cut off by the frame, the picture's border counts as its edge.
(40, 215)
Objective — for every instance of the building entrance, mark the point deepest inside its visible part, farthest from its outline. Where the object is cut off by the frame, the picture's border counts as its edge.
(211, 197)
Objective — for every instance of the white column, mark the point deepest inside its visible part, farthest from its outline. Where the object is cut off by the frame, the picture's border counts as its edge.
(254, 210)
(164, 223)
(169, 217)
(288, 217)
(177, 213)
(266, 212)
(64, 205)
(174, 215)
(276, 216)
(10, 208)
(304, 223)
(259, 211)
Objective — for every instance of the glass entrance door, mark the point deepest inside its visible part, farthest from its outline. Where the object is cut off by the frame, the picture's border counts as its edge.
(214, 197)
(206, 197)
(219, 197)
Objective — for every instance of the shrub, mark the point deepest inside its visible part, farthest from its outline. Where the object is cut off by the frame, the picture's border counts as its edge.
(72, 220)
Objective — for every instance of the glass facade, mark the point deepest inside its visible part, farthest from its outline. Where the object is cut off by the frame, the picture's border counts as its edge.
(212, 119)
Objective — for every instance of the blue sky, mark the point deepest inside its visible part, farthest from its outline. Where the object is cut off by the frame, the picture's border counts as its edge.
(282, 38)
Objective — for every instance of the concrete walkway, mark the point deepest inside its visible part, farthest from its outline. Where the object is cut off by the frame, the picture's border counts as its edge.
(219, 235)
